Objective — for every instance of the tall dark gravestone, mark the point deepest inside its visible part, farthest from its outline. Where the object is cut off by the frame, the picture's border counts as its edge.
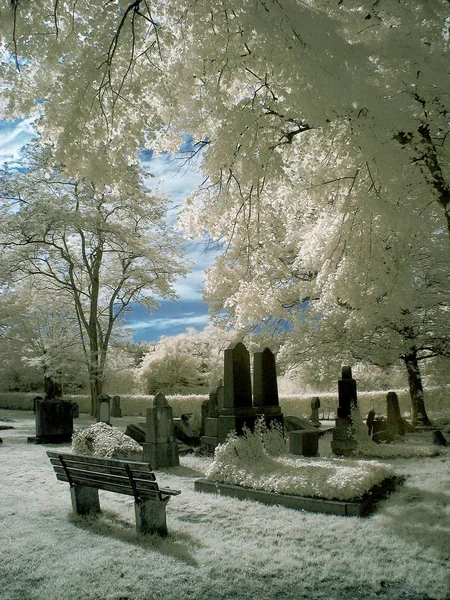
(344, 442)
(237, 410)
(54, 422)
(265, 388)
(395, 424)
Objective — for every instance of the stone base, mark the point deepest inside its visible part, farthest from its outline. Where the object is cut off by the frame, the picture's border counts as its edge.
(228, 423)
(116, 413)
(304, 443)
(343, 443)
(354, 508)
(161, 455)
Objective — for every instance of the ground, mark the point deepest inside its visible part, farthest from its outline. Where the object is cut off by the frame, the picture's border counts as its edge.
(219, 548)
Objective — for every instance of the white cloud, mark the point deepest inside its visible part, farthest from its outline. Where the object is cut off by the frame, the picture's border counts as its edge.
(168, 323)
(13, 136)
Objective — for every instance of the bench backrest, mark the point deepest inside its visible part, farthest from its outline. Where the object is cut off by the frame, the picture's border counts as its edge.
(114, 475)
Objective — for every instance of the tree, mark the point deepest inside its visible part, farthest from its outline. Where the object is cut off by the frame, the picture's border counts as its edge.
(188, 361)
(103, 246)
(39, 331)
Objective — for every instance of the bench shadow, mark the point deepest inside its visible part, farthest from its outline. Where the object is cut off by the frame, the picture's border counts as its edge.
(111, 524)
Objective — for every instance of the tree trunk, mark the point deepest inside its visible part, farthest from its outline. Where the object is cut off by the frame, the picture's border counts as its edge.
(419, 414)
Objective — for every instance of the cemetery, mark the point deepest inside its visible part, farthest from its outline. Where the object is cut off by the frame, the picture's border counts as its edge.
(255, 484)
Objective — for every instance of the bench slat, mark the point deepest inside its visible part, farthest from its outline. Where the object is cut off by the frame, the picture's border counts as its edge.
(113, 471)
(77, 475)
(75, 460)
(112, 487)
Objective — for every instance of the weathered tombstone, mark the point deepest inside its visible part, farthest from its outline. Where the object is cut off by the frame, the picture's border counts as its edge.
(209, 439)
(103, 403)
(75, 410)
(315, 405)
(370, 421)
(237, 411)
(395, 425)
(304, 442)
(160, 447)
(54, 422)
(265, 388)
(116, 411)
(344, 442)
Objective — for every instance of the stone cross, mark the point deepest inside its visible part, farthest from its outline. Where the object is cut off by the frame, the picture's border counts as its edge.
(160, 448)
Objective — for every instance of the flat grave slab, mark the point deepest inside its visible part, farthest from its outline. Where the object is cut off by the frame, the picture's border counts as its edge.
(350, 508)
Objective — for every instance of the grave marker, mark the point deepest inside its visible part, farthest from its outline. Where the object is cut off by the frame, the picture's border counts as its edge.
(344, 442)
(160, 447)
(265, 388)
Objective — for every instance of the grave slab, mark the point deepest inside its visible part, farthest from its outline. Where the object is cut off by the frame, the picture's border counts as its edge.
(355, 508)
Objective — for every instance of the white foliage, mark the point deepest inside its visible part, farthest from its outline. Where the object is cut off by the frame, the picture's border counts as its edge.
(244, 460)
(104, 440)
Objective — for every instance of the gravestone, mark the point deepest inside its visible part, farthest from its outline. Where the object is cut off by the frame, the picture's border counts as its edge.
(103, 403)
(75, 410)
(160, 447)
(395, 425)
(370, 421)
(136, 431)
(265, 388)
(304, 442)
(54, 422)
(315, 405)
(210, 439)
(344, 442)
(237, 411)
(116, 411)
(34, 402)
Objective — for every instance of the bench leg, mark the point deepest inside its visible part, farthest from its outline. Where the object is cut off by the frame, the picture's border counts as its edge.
(84, 499)
(151, 516)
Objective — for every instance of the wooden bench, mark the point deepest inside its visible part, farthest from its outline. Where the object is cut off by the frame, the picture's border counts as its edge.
(88, 474)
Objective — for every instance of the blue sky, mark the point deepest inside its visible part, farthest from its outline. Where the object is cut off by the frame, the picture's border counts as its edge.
(172, 177)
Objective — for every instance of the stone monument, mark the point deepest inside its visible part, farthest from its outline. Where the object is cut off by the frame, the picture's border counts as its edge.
(210, 439)
(160, 448)
(315, 405)
(103, 409)
(395, 424)
(237, 410)
(54, 422)
(116, 411)
(265, 388)
(344, 442)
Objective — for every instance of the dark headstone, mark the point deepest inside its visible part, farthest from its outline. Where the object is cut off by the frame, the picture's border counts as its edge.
(116, 411)
(394, 418)
(237, 411)
(439, 438)
(75, 410)
(265, 388)
(315, 405)
(237, 381)
(304, 443)
(344, 441)
(370, 420)
(54, 422)
(210, 413)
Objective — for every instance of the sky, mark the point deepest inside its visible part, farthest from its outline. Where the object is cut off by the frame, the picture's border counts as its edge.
(175, 178)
